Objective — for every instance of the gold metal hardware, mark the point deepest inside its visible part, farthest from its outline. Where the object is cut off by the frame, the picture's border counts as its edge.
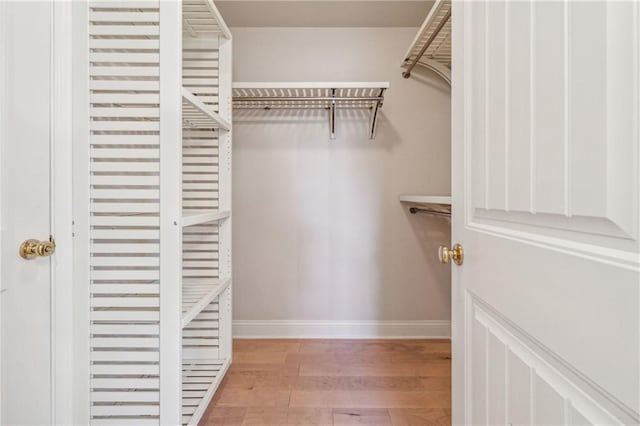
(36, 248)
(445, 254)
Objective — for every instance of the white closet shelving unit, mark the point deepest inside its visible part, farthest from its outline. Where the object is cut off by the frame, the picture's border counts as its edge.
(158, 190)
(329, 96)
(431, 48)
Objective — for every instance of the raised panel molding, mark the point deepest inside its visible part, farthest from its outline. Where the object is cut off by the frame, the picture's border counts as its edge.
(512, 370)
(561, 150)
(581, 224)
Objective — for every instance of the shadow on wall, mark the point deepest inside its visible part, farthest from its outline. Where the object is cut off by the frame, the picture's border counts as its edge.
(431, 232)
(352, 122)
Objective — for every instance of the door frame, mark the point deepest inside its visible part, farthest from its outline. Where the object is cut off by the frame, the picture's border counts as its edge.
(3, 137)
(61, 207)
(459, 398)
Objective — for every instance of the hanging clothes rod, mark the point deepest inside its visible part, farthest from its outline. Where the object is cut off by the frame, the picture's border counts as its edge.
(434, 34)
(430, 212)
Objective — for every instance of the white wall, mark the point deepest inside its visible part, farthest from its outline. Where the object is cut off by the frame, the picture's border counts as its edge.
(318, 231)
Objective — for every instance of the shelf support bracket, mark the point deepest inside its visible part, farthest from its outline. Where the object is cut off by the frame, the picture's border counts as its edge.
(373, 119)
(332, 116)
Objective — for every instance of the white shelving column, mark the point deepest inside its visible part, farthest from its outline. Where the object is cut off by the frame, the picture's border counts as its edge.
(152, 213)
(206, 201)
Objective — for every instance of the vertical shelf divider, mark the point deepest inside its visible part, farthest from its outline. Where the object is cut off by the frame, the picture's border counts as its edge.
(170, 214)
(206, 206)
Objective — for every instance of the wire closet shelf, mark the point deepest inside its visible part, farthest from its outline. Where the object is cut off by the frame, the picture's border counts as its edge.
(431, 48)
(328, 96)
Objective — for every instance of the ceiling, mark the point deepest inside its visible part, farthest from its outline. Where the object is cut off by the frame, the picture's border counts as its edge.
(324, 13)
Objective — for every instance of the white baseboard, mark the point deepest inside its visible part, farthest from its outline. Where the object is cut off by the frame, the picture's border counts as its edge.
(293, 329)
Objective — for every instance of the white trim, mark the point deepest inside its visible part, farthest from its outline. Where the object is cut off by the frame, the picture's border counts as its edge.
(3, 139)
(61, 214)
(429, 329)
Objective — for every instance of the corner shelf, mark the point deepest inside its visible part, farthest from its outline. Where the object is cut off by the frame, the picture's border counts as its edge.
(197, 217)
(200, 380)
(313, 95)
(198, 293)
(431, 48)
(197, 115)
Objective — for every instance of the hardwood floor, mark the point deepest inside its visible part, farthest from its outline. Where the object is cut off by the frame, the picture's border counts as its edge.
(335, 382)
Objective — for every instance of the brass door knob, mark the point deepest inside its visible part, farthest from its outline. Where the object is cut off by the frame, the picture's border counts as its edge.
(446, 254)
(36, 248)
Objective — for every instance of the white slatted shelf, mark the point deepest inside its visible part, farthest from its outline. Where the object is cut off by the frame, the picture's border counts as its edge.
(198, 293)
(426, 199)
(191, 218)
(313, 95)
(431, 48)
(201, 18)
(200, 379)
(197, 115)
(252, 95)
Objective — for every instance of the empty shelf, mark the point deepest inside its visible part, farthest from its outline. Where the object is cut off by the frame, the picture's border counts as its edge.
(431, 47)
(190, 218)
(425, 199)
(201, 18)
(198, 293)
(308, 95)
(197, 115)
(329, 96)
(200, 379)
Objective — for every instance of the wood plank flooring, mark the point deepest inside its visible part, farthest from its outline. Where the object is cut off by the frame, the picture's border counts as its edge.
(335, 382)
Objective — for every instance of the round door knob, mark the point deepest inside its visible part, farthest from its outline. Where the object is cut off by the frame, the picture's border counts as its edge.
(446, 254)
(35, 248)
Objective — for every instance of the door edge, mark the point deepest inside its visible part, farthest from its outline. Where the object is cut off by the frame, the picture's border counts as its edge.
(459, 378)
(61, 214)
(3, 139)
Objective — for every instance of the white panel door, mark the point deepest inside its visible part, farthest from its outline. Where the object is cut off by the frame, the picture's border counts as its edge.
(25, 298)
(546, 192)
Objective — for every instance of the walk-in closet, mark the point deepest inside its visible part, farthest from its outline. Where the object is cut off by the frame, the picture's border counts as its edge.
(319, 212)
(330, 134)
(337, 178)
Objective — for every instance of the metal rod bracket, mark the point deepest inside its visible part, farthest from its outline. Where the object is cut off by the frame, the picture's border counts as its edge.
(373, 120)
(332, 116)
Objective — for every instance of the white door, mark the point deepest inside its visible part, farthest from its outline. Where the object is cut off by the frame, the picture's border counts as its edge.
(546, 99)
(27, 159)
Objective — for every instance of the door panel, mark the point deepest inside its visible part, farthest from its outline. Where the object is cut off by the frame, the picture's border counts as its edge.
(556, 149)
(25, 297)
(546, 206)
